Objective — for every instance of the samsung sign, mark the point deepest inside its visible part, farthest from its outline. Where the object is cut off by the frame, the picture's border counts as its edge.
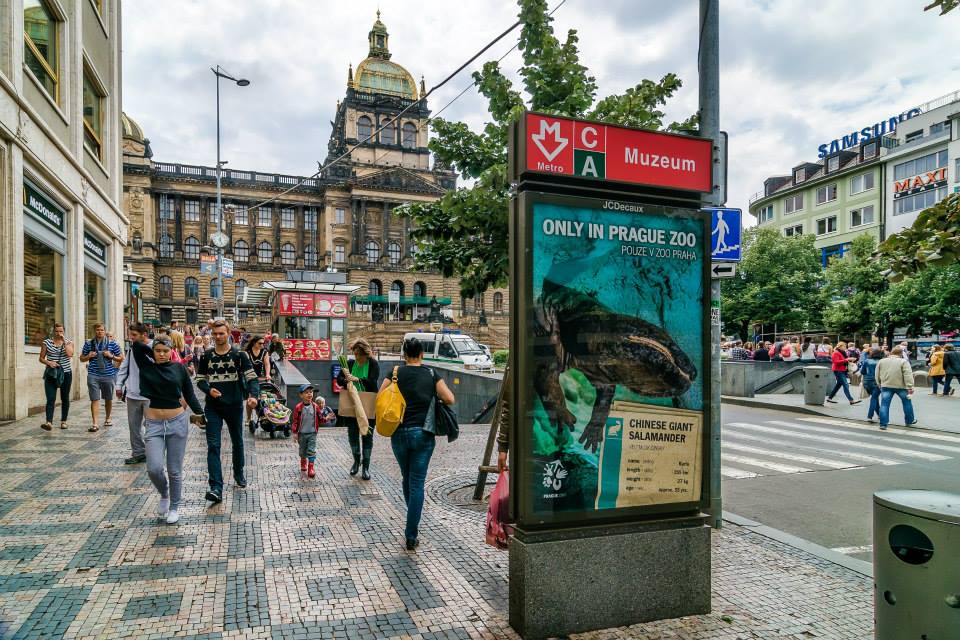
(856, 138)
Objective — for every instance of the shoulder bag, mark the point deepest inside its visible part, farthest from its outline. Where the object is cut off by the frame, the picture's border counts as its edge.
(390, 407)
(442, 419)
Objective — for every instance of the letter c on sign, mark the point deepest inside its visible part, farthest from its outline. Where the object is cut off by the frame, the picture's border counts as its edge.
(592, 132)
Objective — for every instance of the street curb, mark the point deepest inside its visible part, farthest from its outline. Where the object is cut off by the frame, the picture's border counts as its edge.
(750, 402)
(858, 566)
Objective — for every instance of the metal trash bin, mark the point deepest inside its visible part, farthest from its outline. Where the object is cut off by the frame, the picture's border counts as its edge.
(916, 572)
(815, 380)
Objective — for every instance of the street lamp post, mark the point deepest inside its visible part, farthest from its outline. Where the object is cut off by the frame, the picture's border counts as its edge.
(220, 239)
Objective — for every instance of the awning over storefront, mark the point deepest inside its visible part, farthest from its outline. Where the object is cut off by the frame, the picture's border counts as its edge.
(423, 301)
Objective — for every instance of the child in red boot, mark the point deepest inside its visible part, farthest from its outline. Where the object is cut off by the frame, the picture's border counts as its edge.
(307, 417)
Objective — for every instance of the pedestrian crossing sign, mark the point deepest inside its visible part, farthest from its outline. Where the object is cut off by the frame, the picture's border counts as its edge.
(726, 232)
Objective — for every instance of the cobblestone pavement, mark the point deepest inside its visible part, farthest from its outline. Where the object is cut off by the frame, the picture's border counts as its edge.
(83, 556)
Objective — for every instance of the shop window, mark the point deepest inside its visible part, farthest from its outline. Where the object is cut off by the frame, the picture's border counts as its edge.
(92, 115)
(191, 210)
(264, 252)
(41, 46)
(373, 252)
(191, 288)
(288, 254)
(165, 287)
(498, 302)
(215, 290)
(339, 253)
(419, 289)
(287, 218)
(241, 251)
(409, 135)
(393, 253)
(42, 290)
(364, 128)
(310, 256)
(191, 248)
(166, 246)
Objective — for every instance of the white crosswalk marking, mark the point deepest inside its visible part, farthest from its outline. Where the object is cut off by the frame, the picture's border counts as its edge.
(913, 433)
(795, 457)
(865, 437)
(764, 464)
(852, 455)
(900, 451)
(731, 472)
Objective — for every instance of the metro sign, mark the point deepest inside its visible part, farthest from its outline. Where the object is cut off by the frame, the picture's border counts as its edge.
(594, 151)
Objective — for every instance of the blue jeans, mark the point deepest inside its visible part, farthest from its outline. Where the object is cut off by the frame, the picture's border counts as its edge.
(874, 391)
(842, 382)
(413, 448)
(946, 387)
(886, 397)
(216, 416)
(937, 381)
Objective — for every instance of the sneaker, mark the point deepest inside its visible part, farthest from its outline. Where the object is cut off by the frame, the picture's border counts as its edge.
(412, 544)
(871, 420)
(310, 471)
(46, 426)
(164, 507)
(135, 459)
(831, 401)
(173, 517)
(910, 424)
(213, 496)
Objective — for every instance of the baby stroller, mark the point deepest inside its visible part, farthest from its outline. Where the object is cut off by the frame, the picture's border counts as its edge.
(273, 415)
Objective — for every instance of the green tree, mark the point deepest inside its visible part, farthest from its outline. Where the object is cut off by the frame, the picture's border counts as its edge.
(850, 289)
(929, 300)
(945, 6)
(778, 282)
(465, 232)
(932, 241)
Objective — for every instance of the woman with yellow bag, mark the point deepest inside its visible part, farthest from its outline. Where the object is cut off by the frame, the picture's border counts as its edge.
(363, 372)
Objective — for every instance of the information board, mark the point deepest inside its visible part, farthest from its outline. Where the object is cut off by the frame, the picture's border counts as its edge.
(321, 305)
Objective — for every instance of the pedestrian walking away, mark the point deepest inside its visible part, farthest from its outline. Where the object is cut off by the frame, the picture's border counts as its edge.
(166, 386)
(260, 360)
(102, 355)
(841, 363)
(896, 379)
(808, 350)
(128, 390)
(412, 445)
(309, 413)
(363, 371)
(936, 372)
(226, 376)
(951, 368)
(824, 351)
(56, 355)
(868, 371)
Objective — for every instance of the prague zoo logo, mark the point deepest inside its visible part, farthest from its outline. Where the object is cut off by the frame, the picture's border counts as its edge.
(553, 475)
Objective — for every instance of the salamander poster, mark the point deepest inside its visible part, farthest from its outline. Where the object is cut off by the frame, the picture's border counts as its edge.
(618, 352)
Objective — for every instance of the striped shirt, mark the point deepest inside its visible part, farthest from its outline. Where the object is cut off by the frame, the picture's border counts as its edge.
(58, 355)
(93, 366)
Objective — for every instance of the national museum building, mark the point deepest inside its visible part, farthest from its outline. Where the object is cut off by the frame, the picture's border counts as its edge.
(344, 220)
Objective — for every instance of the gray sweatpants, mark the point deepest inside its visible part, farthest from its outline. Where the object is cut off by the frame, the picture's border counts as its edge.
(166, 445)
(135, 410)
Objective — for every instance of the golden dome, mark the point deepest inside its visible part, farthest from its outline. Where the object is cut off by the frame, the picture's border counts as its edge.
(131, 130)
(376, 75)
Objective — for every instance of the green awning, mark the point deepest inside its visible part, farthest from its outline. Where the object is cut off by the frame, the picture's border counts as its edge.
(423, 301)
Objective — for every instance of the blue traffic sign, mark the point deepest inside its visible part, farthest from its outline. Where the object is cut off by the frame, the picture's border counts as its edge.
(726, 233)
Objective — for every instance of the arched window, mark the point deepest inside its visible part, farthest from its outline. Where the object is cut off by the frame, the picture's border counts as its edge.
(288, 254)
(409, 135)
(165, 287)
(478, 301)
(373, 252)
(397, 286)
(240, 287)
(191, 248)
(137, 242)
(375, 288)
(393, 253)
(498, 302)
(388, 135)
(364, 128)
(310, 255)
(191, 288)
(166, 246)
(420, 289)
(215, 287)
(241, 251)
(264, 252)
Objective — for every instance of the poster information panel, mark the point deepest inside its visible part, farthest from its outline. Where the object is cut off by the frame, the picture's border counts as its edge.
(613, 367)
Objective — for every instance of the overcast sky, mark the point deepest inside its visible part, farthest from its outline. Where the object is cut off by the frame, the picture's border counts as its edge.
(794, 73)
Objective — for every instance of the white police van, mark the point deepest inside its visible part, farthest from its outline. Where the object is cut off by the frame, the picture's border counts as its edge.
(455, 348)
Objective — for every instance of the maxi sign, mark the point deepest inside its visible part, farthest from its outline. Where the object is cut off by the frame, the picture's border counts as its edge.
(858, 137)
(594, 151)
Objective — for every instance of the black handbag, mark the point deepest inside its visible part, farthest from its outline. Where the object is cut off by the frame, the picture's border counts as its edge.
(54, 375)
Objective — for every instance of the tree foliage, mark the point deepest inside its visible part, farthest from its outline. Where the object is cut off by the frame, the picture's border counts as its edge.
(932, 241)
(465, 232)
(927, 301)
(851, 289)
(945, 6)
(778, 281)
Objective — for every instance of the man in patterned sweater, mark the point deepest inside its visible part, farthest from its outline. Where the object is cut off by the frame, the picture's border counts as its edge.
(226, 375)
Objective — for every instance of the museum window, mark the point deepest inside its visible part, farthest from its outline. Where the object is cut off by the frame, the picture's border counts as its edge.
(375, 288)
(241, 251)
(137, 242)
(420, 289)
(339, 215)
(92, 115)
(373, 252)
(288, 254)
(364, 128)
(239, 288)
(287, 218)
(388, 131)
(165, 287)
(167, 209)
(827, 193)
(826, 225)
(265, 217)
(215, 291)
(310, 256)
(191, 316)
(310, 219)
(214, 215)
(339, 253)
(191, 288)
(240, 216)
(498, 302)
(42, 290)
(166, 316)
(393, 253)
(264, 252)
(166, 246)
(409, 135)
(191, 248)
(861, 183)
(191, 211)
(41, 46)
(397, 286)
(861, 216)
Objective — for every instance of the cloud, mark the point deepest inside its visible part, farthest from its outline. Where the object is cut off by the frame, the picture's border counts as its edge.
(793, 73)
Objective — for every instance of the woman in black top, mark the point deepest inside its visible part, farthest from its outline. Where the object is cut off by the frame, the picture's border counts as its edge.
(413, 446)
(364, 372)
(165, 384)
(261, 365)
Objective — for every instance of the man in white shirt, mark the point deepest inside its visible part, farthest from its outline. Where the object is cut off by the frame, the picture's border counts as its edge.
(905, 354)
(128, 387)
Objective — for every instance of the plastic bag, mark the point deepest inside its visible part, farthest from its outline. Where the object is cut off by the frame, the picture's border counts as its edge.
(498, 511)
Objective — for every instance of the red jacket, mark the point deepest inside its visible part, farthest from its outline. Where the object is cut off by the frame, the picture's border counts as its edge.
(320, 416)
(839, 360)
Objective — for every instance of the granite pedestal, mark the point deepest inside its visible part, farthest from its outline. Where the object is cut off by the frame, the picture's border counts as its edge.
(579, 580)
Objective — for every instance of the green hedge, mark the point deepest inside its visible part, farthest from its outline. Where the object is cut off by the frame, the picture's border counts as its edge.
(500, 358)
